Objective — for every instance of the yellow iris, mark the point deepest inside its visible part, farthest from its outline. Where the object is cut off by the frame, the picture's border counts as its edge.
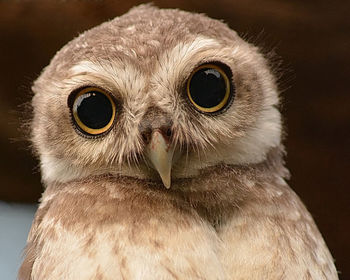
(105, 111)
(224, 98)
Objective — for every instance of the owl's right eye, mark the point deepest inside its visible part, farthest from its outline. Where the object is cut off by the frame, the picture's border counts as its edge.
(93, 111)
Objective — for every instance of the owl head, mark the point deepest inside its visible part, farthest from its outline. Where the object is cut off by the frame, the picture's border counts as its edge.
(156, 95)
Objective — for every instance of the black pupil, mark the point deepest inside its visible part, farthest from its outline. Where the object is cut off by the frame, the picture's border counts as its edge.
(207, 87)
(94, 109)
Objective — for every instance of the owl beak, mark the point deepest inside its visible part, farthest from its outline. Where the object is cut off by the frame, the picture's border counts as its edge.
(160, 153)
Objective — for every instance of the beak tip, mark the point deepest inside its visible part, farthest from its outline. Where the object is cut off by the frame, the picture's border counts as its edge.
(167, 185)
(166, 181)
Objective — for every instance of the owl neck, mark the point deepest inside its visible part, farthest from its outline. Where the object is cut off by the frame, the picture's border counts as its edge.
(222, 190)
(217, 193)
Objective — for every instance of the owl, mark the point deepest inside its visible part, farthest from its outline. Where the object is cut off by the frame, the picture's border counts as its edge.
(159, 139)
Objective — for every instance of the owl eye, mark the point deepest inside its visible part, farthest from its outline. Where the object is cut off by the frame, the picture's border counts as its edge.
(93, 111)
(209, 88)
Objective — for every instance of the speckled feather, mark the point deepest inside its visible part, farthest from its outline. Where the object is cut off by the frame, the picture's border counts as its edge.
(105, 214)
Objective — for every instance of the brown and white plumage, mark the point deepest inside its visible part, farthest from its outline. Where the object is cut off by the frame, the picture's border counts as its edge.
(105, 213)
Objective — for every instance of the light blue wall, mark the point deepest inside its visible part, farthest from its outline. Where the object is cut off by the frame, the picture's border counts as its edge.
(15, 222)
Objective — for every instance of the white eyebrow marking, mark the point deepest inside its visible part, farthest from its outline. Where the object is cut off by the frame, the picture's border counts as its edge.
(176, 63)
(123, 76)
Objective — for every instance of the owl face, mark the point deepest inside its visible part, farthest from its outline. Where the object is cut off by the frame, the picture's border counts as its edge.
(157, 95)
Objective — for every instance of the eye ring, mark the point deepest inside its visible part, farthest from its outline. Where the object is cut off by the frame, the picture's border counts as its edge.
(93, 111)
(216, 101)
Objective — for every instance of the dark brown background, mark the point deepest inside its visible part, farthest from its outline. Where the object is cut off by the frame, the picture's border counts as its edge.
(313, 39)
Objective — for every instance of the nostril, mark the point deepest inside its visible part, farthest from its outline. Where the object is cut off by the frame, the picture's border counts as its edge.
(146, 136)
(168, 132)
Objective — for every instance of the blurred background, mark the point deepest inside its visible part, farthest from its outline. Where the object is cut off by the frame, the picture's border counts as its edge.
(311, 37)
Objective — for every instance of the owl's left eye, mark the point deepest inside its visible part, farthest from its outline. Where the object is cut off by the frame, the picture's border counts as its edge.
(209, 88)
(93, 111)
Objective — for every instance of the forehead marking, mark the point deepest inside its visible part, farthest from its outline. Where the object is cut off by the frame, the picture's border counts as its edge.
(184, 51)
(128, 79)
